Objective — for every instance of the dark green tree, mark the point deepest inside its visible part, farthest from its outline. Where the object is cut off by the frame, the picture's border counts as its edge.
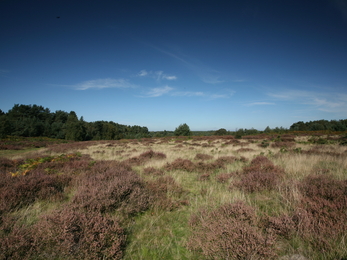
(5, 126)
(182, 130)
(75, 129)
(267, 130)
(221, 131)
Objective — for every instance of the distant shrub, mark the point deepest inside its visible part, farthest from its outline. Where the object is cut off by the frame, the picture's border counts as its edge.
(152, 155)
(221, 131)
(180, 164)
(182, 130)
(152, 171)
(230, 232)
(203, 157)
(224, 177)
(282, 144)
(226, 159)
(145, 157)
(241, 150)
(204, 177)
(264, 144)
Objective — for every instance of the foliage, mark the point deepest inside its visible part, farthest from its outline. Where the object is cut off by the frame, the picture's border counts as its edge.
(230, 232)
(35, 121)
(333, 125)
(182, 130)
(221, 131)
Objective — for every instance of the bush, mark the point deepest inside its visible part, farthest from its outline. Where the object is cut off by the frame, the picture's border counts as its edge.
(230, 232)
(15, 239)
(112, 187)
(160, 189)
(260, 175)
(21, 191)
(321, 216)
(203, 157)
(182, 130)
(145, 157)
(73, 234)
(221, 131)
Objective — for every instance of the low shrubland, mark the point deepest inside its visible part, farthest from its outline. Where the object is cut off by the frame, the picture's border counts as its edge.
(260, 197)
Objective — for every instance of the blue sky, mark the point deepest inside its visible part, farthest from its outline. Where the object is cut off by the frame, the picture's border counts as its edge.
(210, 64)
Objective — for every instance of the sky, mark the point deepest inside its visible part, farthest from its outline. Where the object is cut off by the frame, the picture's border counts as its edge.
(210, 64)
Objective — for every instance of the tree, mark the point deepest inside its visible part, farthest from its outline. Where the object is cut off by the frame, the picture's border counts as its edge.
(267, 130)
(75, 129)
(221, 131)
(182, 130)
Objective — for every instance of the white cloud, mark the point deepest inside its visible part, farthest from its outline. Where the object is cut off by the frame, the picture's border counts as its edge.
(211, 79)
(215, 96)
(158, 75)
(323, 101)
(157, 92)
(142, 73)
(203, 71)
(104, 83)
(170, 77)
(260, 104)
(188, 94)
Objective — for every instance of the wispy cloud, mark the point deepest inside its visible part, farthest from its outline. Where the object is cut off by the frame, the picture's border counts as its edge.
(323, 101)
(158, 75)
(188, 94)
(204, 72)
(211, 79)
(259, 104)
(157, 92)
(104, 83)
(239, 80)
(170, 77)
(169, 91)
(142, 73)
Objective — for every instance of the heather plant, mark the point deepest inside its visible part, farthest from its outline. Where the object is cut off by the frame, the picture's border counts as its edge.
(145, 157)
(203, 157)
(153, 171)
(183, 205)
(71, 233)
(230, 232)
(21, 191)
(224, 177)
(180, 164)
(165, 193)
(260, 175)
(320, 218)
(16, 241)
(113, 188)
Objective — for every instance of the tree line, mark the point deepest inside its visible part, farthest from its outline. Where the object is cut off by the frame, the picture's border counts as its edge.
(36, 121)
(320, 125)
